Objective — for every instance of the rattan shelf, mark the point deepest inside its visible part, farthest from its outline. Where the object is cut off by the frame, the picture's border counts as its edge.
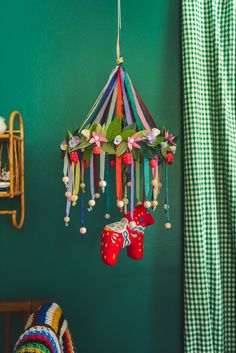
(14, 138)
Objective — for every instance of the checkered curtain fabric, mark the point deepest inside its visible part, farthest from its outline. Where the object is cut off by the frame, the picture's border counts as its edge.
(209, 62)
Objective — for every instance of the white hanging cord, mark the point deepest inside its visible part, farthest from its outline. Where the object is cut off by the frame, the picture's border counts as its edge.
(119, 58)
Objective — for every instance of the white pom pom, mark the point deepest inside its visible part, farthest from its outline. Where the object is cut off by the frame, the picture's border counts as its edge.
(154, 182)
(167, 225)
(132, 224)
(147, 204)
(125, 201)
(107, 216)
(65, 179)
(91, 203)
(129, 184)
(120, 204)
(74, 198)
(3, 125)
(83, 230)
(154, 203)
(68, 194)
(102, 183)
(82, 185)
(165, 206)
(97, 195)
(67, 219)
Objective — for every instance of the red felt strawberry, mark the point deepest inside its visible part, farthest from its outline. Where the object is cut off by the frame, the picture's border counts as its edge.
(112, 163)
(96, 149)
(74, 157)
(127, 158)
(153, 163)
(169, 158)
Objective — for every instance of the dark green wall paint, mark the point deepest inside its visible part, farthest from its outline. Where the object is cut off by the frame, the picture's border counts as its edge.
(55, 58)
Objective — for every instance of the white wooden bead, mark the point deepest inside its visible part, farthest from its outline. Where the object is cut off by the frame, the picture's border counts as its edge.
(154, 203)
(132, 224)
(68, 194)
(160, 185)
(154, 182)
(97, 195)
(74, 198)
(107, 215)
(129, 184)
(120, 204)
(147, 204)
(82, 185)
(91, 203)
(83, 230)
(167, 225)
(102, 183)
(67, 219)
(65, 179)
(165, 206)
(126, 201)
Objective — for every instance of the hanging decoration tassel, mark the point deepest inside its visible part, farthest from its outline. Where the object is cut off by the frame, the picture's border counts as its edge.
(147, 203)
(132, 224)
(166, 205)
(68, 195)
(92, 201)
(108, 190)
(137, 184)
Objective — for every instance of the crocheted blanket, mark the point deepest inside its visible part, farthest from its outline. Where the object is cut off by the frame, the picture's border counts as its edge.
(46, 331)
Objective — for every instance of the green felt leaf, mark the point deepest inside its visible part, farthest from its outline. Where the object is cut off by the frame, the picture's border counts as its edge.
(106, 147)
(121, 148)
(99, 128)
(84, 144)
(104, 130)
(127, 133)
(159, 140)
(68, 135)
(130, 127)
(163, 152)
(87, 155)
(93, 127)
(113, 129)
(141, 133)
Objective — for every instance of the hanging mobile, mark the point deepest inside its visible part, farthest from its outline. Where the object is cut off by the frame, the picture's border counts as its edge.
(118, 132)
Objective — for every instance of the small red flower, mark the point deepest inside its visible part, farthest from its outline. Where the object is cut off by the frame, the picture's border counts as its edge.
(127, 158)
(153, 163)
(96, 149)
(85, 165)
(169, 158)
(74, 157)
(112, 163)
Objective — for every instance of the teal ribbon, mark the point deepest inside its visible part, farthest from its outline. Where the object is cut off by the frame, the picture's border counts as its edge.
(146, 177)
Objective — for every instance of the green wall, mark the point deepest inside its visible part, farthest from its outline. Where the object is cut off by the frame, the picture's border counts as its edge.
(55, 58)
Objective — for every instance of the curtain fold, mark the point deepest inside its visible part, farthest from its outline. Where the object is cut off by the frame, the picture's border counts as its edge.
(209, 62)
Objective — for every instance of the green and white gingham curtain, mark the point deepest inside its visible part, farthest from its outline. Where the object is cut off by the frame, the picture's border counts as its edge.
(209, 63)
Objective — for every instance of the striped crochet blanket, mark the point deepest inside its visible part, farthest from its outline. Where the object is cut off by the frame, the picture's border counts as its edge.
(46, 331)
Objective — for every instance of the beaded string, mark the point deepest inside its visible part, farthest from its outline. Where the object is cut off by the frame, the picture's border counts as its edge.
(167, 194)
(91, 181)
(68, 201)
(108, 191)
(132, 191)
